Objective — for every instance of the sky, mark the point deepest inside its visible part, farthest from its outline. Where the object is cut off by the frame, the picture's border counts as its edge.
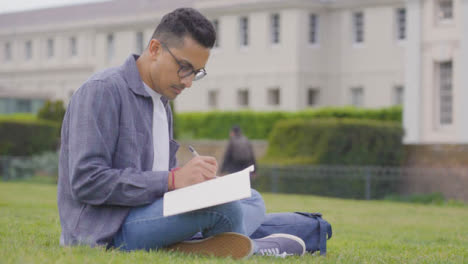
(8, 6)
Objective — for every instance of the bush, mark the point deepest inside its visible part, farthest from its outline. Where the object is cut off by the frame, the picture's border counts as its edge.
(258, 125)
(27, 136)
(335, 142)
(53, 111)
(45, 164)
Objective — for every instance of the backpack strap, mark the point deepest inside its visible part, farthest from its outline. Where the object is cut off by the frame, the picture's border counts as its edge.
(325, 231)
(323, 236)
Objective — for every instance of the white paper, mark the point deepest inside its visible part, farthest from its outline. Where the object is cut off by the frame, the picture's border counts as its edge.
(228, 188)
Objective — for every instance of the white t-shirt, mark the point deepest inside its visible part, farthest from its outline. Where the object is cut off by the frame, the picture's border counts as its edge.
(160, 132)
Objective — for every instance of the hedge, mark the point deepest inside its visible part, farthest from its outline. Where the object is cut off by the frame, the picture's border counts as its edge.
(258, 125)
(25, 135)
(335, 142)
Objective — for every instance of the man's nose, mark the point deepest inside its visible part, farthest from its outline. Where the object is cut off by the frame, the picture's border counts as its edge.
(187, 81)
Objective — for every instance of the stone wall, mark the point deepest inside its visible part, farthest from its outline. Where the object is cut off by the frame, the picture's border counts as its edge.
(447, 170)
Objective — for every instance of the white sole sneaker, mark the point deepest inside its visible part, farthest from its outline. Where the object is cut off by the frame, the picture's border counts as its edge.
(295, 238)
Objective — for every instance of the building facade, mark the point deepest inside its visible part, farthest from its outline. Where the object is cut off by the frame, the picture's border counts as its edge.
(270, 55)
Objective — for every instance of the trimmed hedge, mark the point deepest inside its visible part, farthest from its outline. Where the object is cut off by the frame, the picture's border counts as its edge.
(53, 111)
(335, 142)
(258, 125)
(24, 135)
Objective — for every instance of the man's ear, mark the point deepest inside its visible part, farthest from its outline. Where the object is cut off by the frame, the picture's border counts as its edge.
(154, 48)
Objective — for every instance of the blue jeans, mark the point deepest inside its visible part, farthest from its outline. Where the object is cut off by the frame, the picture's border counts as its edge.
(146, 228)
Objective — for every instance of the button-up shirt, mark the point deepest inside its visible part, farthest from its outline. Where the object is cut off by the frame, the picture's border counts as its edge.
(106, 155)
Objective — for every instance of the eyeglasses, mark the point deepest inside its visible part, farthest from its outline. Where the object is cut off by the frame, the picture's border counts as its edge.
(186, 70)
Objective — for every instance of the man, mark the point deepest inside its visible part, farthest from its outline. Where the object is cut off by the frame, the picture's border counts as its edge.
(117, 156)
(239, 152)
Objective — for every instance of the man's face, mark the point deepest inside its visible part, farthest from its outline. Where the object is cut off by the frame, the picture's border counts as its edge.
(164, 67)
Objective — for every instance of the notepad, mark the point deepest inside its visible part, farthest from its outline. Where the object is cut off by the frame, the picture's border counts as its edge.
(231, 187)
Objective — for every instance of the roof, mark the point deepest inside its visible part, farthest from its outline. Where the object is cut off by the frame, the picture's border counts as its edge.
(87, 11)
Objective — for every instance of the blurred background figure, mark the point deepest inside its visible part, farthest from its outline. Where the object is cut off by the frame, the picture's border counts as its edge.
(239, 153)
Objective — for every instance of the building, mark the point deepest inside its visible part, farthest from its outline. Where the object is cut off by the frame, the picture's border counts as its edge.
(270, 55)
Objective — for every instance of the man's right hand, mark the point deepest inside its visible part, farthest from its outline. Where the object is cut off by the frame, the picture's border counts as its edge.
(198, 169)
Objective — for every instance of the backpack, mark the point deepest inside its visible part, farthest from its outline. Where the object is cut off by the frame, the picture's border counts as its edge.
(314, 230)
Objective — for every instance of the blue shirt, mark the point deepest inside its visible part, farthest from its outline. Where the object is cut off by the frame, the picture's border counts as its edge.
(106, 155)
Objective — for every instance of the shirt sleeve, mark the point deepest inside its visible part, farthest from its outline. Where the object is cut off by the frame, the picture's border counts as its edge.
(92, 137)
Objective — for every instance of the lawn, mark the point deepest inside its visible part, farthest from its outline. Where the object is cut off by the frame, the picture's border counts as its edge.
(363, 231)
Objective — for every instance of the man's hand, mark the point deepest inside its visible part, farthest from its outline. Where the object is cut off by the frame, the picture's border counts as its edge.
(198, 169)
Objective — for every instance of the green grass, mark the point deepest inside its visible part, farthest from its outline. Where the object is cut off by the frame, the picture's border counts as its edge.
(363, 231)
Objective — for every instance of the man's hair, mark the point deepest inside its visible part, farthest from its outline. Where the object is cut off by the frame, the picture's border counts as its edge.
(236, 130)
(185, 22)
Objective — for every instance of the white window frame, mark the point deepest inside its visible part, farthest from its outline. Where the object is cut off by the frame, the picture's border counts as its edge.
(358, 28)
(274, 96)
(444, 90)
(110, 46)
(8, 53)
(139, 42)
(316, 92)
(357, 96)
(215, 23)
(244, 31)
(213, 98)
(73, 46)
(243, 97)
(398, 95)
(441, 14)
(313, 36)
(50, 51)
(28, 50)
(401, 29)
(275, 29)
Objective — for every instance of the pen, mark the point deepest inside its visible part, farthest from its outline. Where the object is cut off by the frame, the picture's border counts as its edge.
(194, 152)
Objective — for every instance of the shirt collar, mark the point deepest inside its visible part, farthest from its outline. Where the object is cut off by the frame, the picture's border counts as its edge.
(151, 92)
(132, 76)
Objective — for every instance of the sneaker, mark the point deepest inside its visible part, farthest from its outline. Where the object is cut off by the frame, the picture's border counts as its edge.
(226, 244)
(280, 245)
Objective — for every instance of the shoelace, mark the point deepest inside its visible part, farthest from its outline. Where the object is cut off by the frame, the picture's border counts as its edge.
(273, 252)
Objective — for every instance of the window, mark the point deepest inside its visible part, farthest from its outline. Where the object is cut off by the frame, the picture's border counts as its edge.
(275, 28)
(7, 55)
(216, 27)
(110, 47)
(139, 43)
(243, 97)
(15, 105)
(28, 50)
(273, 96)
(445, 9)
(398, 95)
(401, 23)
(357, 96)
(213, 98)
(244, 31)
(73, 47)
(312, 96)
(23, 106)
(313, 29)
(50, 48)
(444, 85)
(358, 27)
